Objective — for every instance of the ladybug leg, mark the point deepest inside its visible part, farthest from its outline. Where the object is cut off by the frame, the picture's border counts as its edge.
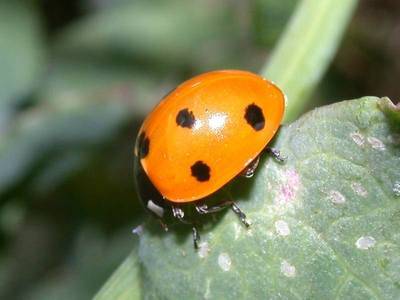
(205, 209)
(249, 171)
(276, 154)
(179, 214)
(240, 214)
(196, 237)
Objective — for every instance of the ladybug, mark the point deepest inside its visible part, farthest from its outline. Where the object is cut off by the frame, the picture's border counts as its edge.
(204, 133)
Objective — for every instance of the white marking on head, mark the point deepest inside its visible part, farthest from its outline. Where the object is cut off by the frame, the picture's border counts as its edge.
(158, 210)
(359, 189)
(376, 143)
(224, 262)
(357, 138)
(287, 269)
(336, 197)
(282, 228)
(365, 242)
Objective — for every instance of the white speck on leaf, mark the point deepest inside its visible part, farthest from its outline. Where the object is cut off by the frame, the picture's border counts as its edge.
(224, 261)
(203, 250)
(282, 228)
(336, 197)
(365, 242)
(287, 269)
(138, 230)
(396, 188)
(376, 143)
(358, 138)
(359, 189)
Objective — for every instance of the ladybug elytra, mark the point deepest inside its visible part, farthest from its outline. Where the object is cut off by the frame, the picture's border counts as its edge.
(204, 133)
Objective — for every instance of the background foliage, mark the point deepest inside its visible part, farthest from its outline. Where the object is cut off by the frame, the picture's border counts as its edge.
(77, 78)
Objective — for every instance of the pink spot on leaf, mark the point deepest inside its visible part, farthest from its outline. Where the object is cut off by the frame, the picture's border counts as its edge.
(289, 187)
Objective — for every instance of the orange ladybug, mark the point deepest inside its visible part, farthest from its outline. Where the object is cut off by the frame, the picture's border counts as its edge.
(203, 134)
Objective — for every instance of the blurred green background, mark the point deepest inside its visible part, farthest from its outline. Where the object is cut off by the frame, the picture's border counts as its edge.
(76, 79)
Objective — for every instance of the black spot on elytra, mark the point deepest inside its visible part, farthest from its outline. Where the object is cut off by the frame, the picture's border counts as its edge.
(143, 145)
(255, 117)
(185, 118)
(201, 171)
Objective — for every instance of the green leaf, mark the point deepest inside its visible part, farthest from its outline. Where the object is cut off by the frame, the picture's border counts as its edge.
(125, 283)
(82, 106)
(306, 48)
(42, 137)
(21, 49)
(392, 110)
(324, 224)
(76, 84)
(159, 33)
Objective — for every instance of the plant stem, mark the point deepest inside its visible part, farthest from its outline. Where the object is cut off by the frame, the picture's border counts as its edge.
(306, 48)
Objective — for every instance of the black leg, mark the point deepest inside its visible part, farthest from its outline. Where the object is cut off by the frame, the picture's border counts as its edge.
(240, 214)
(275, 154)
(179, 214)
(204, 209)
(196, 237)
